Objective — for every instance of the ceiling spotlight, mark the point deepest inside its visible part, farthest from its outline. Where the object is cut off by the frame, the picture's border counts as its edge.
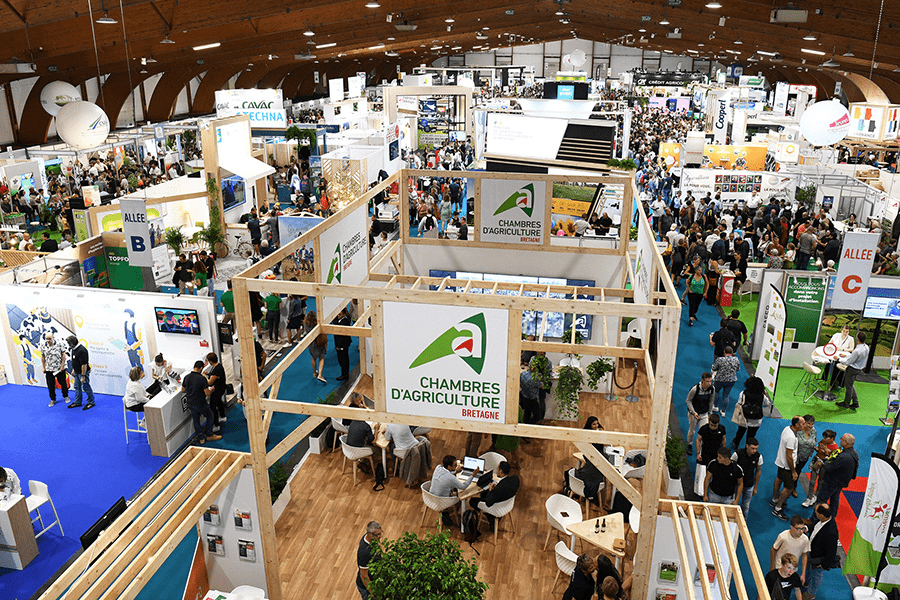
(559, 12)
(150, 60)
(309, 32)
(373, 4)
(642, 30)
(106, 19)
(849, 52)
(142, 71)
(166, 40)
(738, 41)
(713, 4)
(810, 37)
(449, 20)
(391, 38)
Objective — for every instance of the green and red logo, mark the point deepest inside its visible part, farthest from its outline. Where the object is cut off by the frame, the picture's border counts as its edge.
(337, 265)
(522, 198)
(467, 340)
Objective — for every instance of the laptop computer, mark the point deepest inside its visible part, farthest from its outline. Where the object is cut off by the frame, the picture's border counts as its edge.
(470, 464)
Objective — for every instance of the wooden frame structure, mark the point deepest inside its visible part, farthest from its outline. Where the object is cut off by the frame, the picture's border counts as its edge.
(127, 554)
(614, 304)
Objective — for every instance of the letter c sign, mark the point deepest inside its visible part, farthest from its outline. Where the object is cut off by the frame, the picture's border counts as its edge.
(851, 284)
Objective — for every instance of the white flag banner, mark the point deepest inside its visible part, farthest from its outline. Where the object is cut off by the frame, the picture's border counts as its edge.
(857, 256)
(773, 339)
(874, 523)
(137, 232)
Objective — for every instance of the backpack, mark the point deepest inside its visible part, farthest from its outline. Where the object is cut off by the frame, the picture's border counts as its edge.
(753, 407)
(379, 478)
(470, 523)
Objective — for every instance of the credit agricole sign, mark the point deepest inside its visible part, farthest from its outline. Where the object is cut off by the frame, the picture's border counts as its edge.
(445, 361)
(512, 211)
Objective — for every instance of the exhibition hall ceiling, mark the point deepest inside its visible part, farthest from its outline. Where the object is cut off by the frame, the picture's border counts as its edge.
(63, 39)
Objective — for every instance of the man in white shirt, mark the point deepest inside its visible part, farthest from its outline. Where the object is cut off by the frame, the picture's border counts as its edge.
(786, 461)
(401, 435)
(856, 362)
(795, 541)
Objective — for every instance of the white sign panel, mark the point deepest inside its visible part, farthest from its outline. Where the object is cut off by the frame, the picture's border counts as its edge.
(865, 121)
(773, 338)
(521, 135)
(446, 361)
(737, 185)
(781, 98)
(336, 89)
(720, 119)
(137, 232)
(852, 281)
(643, 272)
(512, 211)
(344, 255)
(264, 107)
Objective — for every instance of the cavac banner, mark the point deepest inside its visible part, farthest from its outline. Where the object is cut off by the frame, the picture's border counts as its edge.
(137, 232)
(773, 339)
(854, 270)
(874, 522)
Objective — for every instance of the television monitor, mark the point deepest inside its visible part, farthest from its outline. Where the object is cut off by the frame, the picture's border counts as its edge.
(565, 92)
(233, 192)
(94, 531)
(177, 320)
(882, 303)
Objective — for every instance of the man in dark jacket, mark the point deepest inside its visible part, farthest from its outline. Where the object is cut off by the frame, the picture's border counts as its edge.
(498, 492)
(823, 543)
(837, 472)
(81, 369)
(342, 345)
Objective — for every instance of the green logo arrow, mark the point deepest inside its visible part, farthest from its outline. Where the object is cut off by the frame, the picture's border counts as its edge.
(522, 198)
(337, 262)
(467, 340)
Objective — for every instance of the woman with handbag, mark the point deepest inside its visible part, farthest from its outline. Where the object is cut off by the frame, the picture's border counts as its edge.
(748, 413)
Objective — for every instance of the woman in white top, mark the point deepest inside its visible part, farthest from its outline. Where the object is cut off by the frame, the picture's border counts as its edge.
(135, 393)
(160, 367)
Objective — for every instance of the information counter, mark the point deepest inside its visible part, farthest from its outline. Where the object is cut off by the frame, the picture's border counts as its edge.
(18, 546)
(169, 422)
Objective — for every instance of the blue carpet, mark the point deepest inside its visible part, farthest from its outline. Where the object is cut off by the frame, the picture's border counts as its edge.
(171, 578)
(83, 459)
(695, 356)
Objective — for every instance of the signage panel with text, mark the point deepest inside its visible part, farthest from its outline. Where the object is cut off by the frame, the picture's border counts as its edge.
(512, 211)
(854, 269)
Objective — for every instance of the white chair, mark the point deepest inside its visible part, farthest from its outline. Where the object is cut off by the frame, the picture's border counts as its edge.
(400, 454)
(577, 487)
(355, 454)
(566, 560)
(421, 431)
(140, 422)
(248, 591)
(810, 382)
(492, 460)
(746, 289)
(40, 496)
(499, 510)
(435, 503)
(339, 429)
(561, 512)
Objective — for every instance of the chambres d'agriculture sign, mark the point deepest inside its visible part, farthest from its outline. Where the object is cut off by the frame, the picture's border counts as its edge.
(512, 211)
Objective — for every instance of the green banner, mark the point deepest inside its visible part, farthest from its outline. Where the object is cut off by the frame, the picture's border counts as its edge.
(803, 300)
(122, 276)
(82, 231)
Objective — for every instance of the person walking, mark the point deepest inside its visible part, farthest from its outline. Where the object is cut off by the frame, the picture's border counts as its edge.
(855, 363)
(786, 461)
(823, 544)
(82, 373)
(791, 541)
(53, 359)
(807, 443)
(699, 400)
(724, 483)
(364, 557)
(748, 412)
(342, 345)
(725, 369)
(837, 473)
(750, 461)
(697, 285)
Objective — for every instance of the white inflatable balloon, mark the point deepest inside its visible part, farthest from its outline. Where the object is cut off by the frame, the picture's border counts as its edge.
(577, 57)
(825, 123)
(57, 94)
(567, 60)
(82, 124)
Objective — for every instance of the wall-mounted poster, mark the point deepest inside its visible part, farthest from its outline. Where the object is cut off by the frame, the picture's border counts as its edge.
(512, 211)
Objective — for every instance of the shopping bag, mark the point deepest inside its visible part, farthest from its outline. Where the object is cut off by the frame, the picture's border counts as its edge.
(699, 479)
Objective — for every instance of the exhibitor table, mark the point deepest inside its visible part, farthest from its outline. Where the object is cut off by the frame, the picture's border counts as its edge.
(18, 546)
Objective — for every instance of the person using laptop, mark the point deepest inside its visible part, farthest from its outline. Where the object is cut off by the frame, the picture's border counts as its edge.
(9, 482)
(444, 480)
(497, 492)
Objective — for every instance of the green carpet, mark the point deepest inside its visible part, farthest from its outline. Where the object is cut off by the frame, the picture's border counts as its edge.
(747, 306)
(872, 401)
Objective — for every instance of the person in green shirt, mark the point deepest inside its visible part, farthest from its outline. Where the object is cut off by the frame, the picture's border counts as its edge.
(273, 316)
(227, 302)
(199, 277)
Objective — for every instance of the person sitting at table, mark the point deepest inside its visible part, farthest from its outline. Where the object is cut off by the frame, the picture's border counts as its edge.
(738, 265)
(498, 491)
(444, 480)
(581, 584)
(588, 472)
(9, 482)
(843, 341)
(135, 394)
(359, 434)
(400, 436)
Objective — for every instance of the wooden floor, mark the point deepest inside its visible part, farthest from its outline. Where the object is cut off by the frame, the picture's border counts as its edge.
(321, 528)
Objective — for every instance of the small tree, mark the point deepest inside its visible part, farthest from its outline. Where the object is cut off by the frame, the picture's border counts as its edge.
(429, 568)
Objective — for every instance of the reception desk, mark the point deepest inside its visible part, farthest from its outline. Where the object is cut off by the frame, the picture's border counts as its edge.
(169, 422)
(18, 546)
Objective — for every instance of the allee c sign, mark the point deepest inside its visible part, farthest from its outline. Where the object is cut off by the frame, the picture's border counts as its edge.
(445, 361)
(852, 281)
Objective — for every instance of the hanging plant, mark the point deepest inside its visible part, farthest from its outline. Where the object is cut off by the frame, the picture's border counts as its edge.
(597, 370)
(567, 339)
(541, 370)
(568, 387)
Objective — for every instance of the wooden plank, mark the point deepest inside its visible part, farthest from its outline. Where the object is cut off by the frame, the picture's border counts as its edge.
(730, 548)
(292, 439)
(141, 512)
(687, 579)
(758, 576)
(549, 432)
(383, 255)
(612, 474)
(472, 243)
(513, 371)
(519, 288)
(130, 586)
(698, 554)
(586, 349)
(380, 386)
(360, 332)
(714, 547)
(443, 284)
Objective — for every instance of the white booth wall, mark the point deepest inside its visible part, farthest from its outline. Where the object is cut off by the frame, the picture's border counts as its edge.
(99, 318)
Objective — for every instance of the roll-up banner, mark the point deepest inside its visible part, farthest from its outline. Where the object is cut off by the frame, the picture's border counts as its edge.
(137, 232)
(773, 338)
(854, 269)
(875, 525)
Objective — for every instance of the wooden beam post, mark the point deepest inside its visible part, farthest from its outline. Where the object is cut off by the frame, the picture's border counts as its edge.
(686, 578)
(513, 371)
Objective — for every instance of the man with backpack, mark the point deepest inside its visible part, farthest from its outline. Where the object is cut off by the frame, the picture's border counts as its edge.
(699, 400)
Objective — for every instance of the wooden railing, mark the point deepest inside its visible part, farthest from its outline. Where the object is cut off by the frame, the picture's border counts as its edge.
(16, 258)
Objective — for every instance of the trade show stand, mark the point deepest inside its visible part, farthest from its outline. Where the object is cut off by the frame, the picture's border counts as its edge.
(169, 422)
(17, 544)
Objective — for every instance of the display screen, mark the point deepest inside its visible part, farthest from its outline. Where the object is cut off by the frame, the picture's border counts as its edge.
(177, 320)
(882, 303)
(565, 92)
(233, 193)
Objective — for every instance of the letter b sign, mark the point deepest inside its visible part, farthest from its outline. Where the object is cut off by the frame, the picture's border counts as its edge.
(137, 244)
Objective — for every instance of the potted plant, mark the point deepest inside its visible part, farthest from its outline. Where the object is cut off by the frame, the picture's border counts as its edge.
(213, 234)
(571, 359)
(597, 370)
(278, 487)
(568, 386)
(806, 195)
(174, 238)
(676, 461)
(428, 568)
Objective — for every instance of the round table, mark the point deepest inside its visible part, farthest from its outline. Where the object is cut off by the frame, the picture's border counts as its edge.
(827, 355)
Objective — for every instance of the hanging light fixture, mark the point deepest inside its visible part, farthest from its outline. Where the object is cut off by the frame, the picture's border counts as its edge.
(849, 52)
(738, 41)
(665, 21)
(810, 37)
(106, 19)
(309, 32)
(373, 4)
(713, 4)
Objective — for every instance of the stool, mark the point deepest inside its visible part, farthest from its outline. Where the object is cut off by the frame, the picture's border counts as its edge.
(140, 425)
(810, 382)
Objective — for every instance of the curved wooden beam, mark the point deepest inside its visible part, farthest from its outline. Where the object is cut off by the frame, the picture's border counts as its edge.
(166, 92)
(205, 96)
